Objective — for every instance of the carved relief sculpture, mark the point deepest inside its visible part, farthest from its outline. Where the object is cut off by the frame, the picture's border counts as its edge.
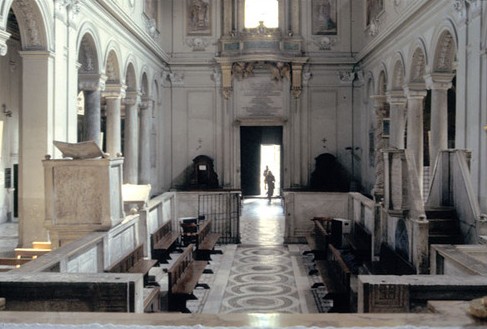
(199, 17)
(324, 20)
(372, 10)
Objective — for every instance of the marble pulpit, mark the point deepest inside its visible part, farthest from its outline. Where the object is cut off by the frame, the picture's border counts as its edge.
(83, 192)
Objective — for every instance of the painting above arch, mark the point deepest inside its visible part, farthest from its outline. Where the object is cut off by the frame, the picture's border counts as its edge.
(324, 20)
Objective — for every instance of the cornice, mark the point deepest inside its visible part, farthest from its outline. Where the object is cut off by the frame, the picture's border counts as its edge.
(126, 21)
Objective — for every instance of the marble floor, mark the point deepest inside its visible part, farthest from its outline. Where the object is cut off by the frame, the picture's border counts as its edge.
(260, 274)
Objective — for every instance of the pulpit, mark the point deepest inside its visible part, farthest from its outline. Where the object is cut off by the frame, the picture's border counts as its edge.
(83, 192)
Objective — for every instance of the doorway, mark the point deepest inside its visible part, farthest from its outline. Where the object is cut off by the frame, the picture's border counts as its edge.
(260, 146)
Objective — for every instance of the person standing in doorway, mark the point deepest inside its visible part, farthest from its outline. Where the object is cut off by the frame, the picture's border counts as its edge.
(270, 180)
(266, 171)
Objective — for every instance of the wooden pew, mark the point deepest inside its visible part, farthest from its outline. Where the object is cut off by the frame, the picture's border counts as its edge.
(183, 277)
(206, 241)
(335, 275)
(319, 238)
(163, 241)
(31, 253)
(133, 262)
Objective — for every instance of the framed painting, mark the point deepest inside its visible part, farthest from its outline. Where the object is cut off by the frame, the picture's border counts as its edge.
(324, 17)
(372, 10)
(198, 17)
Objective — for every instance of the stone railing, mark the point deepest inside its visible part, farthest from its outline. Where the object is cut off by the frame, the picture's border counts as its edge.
(403, 201)
(451, 187)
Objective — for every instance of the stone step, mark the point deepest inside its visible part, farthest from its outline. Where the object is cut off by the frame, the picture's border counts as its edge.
(446, 225)
(440, 212)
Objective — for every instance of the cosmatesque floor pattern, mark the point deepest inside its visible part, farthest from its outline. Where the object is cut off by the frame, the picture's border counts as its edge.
(260, 275)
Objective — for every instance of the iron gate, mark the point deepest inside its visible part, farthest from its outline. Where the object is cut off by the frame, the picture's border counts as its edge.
(224, 210)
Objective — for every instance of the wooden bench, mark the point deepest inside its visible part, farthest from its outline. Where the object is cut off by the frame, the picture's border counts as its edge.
(206, 241)
(335, 275)
(319, 238)
(390, 263)
(183, 277)
(133, 262)
(30, 253)
(163, 241)
(360, 242)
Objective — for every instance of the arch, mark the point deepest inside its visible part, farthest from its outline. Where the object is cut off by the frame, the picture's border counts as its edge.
(382, 83)
(112, 68)
(402, 239)
(398, 73)
(131, 78)
(88, 55)
(445, 52)
(418, 63)
(144, 85)
(30, 16)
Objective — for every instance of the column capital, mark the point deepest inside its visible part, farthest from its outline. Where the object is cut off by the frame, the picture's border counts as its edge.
(378, 100)
(91, 82)
(146, 103)
(439, 81)
(396, 97)
(132, 98)
(114, 90)
(4, 36)
(412, 91)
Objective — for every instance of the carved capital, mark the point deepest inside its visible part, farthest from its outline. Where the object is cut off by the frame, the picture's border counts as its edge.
(227, 92)
(346, 76)
(132, 98)
(176, 79)
(92, 81)
(396, 98)
(146, 103)
(114, 90)
(4, 36)
(439, 81)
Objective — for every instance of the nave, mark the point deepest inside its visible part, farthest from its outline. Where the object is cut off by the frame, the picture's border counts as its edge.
(260, 274)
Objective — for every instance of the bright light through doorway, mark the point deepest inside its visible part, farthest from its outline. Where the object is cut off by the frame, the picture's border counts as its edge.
(270, 155)
(261, 10)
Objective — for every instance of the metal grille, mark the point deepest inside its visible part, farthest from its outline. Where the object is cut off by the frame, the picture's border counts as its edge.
(224, 211)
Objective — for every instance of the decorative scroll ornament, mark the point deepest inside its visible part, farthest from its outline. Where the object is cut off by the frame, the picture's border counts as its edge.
(176, 79)
(374, 27)
(280, 71)
(242, 70)
(217, 77)
(198, 44)
(346, 76)
(151, 28)
(325, 43)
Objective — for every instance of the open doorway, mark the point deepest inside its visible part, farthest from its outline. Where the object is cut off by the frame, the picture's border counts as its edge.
(260, 146)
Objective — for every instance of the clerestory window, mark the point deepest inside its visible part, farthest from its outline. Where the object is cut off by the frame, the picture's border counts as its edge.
(266, 11)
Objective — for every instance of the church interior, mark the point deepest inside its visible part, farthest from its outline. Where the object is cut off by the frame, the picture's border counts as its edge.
(243, 163)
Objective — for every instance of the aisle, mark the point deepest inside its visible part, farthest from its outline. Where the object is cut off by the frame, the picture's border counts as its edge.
(261, 274)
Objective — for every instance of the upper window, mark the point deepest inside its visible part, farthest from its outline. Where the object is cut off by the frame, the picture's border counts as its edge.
(266, 11)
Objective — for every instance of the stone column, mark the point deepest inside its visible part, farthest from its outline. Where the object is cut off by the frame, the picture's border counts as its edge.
(113, 95)
(397, 102)
(92, 85)
(131, 138)
(35, 129)
(378, 102)
(144, 152)
(439, 83)
(415, 139)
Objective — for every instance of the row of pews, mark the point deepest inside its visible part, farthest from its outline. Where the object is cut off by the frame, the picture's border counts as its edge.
(184, 262)
(24, 255)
